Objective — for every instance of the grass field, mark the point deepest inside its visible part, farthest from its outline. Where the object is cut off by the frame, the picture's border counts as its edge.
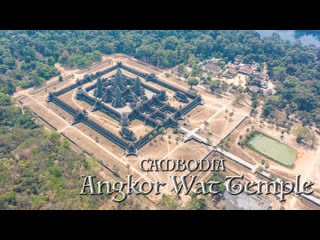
(272, 149)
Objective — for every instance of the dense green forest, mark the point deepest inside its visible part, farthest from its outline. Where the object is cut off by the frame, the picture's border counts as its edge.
(39, 170)
(27, 58)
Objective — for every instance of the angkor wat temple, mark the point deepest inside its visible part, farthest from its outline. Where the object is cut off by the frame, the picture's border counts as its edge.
(124, 99)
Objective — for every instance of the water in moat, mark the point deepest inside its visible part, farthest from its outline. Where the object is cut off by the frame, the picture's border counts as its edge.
(306, 37)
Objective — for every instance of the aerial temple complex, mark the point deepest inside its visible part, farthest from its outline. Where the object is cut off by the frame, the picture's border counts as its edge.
(125, 99)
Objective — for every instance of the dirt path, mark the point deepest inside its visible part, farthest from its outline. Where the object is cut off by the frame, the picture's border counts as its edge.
(305, 176)
(223, 108)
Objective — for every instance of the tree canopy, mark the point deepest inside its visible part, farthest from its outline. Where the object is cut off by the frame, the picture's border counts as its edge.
(193, 82)
(27, 58)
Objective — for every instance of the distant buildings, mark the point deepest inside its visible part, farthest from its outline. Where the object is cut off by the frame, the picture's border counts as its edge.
(254, 89)
(268, 92)
(251, 71)
(246, 70)
(260, 76)
(231, 68)
(212, 67)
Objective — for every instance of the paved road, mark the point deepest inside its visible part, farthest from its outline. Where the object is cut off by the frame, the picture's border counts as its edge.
(236, 158)
(244, 163)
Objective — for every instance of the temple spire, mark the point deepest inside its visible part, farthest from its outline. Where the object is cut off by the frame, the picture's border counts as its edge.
(99, 89)
(137, 87)
(118, 77)
(107, 97)
(118, 102)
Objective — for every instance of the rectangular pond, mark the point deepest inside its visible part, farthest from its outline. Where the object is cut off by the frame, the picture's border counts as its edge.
(272, 149)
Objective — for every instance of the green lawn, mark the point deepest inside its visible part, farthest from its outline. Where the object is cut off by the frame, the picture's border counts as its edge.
(272, 149)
